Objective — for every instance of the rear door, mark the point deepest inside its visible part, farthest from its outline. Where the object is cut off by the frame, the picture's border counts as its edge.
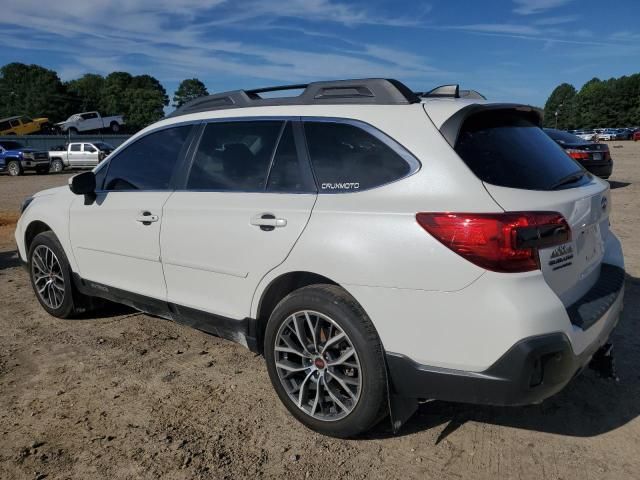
(525, 170)
(246, 200)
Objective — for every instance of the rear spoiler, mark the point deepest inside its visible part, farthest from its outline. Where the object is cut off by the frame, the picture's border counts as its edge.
(450, 129)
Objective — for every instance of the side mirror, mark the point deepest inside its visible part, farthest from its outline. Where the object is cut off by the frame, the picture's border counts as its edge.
(83, 183)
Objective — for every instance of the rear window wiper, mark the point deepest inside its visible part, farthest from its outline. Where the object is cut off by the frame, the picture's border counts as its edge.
(574, 177)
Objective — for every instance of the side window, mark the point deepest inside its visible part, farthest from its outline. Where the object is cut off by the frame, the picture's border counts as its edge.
(5, 126)
(75, 147)
(89, 116)
(89, 148)
(148, 163)
(14, 123)
(347, 158)
(234, 156)
(288, 173)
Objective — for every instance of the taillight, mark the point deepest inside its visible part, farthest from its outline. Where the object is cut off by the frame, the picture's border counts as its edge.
(501, 242)
(577, 154)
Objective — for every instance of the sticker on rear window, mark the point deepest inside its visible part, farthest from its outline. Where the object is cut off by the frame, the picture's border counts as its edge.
(341, 186)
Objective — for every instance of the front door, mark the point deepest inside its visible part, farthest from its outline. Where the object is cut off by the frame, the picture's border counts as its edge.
(246, 201)
(116, 237)
(75, 155)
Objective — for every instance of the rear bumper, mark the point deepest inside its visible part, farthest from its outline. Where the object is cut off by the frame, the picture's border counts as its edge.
(602, 170)
(533, 369)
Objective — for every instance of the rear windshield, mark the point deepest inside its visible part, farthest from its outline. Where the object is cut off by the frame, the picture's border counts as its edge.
(505, 148)
(565, 138)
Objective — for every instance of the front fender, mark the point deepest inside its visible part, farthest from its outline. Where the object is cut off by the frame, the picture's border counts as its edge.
(52, 210)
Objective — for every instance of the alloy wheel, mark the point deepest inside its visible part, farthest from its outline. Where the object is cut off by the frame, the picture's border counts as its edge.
(318, 365)
(14, 169)
(47, 276)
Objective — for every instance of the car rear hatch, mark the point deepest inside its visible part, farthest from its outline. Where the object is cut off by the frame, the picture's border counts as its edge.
(526, 171)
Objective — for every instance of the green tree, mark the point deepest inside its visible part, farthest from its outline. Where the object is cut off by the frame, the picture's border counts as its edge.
(145, 106)
(35, 91)
(591, 104)
(112, 99)
(562, 101)
(141, 99)
(189, 89)
(88, 90)
(599, 103)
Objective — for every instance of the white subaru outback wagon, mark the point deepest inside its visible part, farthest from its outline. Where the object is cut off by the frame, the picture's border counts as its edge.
(378, 246)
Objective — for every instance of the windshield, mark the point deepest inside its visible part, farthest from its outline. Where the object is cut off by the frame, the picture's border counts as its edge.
(11, 145)
(103, 146)
(565, 137)
(505, 148)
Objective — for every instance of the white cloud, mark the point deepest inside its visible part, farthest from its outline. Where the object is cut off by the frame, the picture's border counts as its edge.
(529, 7)
(506, 28)
(625, 36)
(560, 20)
(141, 39)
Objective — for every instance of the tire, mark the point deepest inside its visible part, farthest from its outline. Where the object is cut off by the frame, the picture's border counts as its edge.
(14, 168)
(115, 127)
(56, 165)
(50, 272)
(330, 311)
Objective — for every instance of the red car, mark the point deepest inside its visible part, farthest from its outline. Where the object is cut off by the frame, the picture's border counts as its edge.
(636, 135)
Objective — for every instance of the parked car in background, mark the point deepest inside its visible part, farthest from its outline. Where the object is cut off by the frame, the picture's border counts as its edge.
(609, 134)
(623, 134)
(377, 246)
(78, 155)
(15, 158)
(636, 135)
(588, 135)
(23, 125)
(88, 121)
(595, 157)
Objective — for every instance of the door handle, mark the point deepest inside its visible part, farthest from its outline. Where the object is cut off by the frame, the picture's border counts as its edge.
(146, 218)
(268, 221)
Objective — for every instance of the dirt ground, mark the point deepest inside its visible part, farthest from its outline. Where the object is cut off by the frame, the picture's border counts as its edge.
(125, 395)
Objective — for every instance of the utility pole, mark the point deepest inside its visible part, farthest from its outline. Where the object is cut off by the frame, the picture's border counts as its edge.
(558, 113)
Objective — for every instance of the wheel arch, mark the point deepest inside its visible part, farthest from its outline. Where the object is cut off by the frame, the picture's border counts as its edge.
(33, 229)
(276, 290)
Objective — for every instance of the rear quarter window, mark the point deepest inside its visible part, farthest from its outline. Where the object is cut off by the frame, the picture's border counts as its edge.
(348, 157)
(507, 149)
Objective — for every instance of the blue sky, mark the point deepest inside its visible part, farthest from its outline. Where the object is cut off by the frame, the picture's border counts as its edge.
(510, 50)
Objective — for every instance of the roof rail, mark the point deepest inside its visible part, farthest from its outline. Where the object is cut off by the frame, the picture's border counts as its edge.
(472, 94)
(366, 91)
(451, 91)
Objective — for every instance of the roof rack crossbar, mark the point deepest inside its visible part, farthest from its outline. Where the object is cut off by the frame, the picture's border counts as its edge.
(367, 91)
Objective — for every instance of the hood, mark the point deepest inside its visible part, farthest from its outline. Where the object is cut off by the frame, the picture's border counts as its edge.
(51, 191)
(22, 150)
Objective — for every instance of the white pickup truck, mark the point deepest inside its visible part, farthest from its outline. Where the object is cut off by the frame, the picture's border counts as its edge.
(79, 155)
(87, 121)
